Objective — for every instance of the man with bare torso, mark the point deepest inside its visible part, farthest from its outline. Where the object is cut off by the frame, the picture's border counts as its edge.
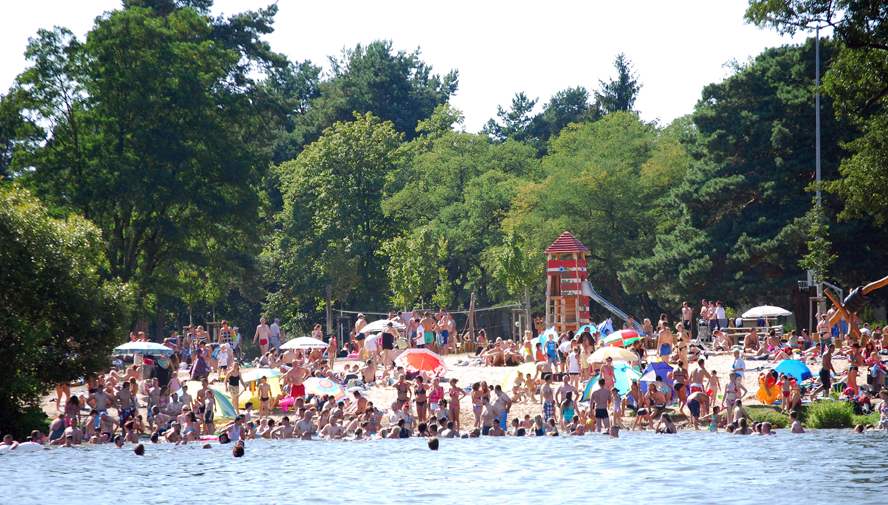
(547, 397)
(359, 334)
(599, 401)
(826, 371)
(262, 335)
(698, 376)
(295, 377)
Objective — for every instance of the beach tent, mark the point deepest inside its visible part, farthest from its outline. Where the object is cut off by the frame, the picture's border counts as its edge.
(623, 376)
(654, 369)
(795, 369)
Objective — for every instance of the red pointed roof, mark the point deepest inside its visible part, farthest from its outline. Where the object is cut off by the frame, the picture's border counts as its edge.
(566, 243)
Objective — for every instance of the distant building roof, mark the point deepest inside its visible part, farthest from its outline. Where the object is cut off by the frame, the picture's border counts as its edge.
(566, 243)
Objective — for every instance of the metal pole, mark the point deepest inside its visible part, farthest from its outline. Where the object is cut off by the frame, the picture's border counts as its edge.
(817, 106)
(821, 306)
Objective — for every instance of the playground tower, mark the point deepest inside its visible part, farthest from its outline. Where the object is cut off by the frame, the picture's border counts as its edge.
(567, 308)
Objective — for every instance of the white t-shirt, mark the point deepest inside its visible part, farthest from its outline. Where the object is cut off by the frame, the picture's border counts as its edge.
(420, 335)
(739, 366)
(223, 358)
(370, 343)
(720, 313)
(573, 364)
(564, 347)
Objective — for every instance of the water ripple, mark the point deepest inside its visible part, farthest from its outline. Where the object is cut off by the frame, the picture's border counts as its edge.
(691, 467)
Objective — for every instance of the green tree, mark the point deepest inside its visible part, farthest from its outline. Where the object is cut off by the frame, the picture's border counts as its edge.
(58, 318)
(155, 130)
(396, 86)
(332, 223)
(728, 227)
(857, 79)
(460, 186)
(518, 266)
(567, 106)
(514, 123)
(619, 93)
(16, 131)
(592, 188)
(819, 258)
(411, 270)
(292, 88)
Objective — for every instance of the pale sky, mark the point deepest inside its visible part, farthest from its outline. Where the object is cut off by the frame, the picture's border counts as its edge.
(499, 47)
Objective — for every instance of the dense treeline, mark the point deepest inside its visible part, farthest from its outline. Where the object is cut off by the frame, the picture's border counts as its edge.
(222, 178)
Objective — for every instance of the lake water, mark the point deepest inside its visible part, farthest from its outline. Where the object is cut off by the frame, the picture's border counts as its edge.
(689, 468)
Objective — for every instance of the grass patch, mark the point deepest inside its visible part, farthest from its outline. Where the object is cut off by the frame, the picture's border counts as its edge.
(764, 413)
(868, 419)
(826, 414)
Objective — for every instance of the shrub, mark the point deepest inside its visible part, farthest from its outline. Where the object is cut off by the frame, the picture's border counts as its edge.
(868, 419)
(761, 414)
(827, 414)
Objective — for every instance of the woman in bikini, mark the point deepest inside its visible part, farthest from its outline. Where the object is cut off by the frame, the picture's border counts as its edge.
(456, 394)
(436, 394)
(421, 399)
(607, 373)
(477, 403)
(680, 376)
(62, 389)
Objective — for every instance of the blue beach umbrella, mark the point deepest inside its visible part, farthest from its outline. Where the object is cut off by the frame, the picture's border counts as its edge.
(623, 376)
(794, 368)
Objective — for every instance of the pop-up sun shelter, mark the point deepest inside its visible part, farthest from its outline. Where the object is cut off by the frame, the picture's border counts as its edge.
(654, 370)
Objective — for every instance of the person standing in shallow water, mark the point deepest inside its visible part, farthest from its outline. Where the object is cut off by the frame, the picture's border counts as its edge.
(598, 402)
(547, 398)
(826, 370)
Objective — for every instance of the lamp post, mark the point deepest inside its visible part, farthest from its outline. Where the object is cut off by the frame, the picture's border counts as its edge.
(819, 282)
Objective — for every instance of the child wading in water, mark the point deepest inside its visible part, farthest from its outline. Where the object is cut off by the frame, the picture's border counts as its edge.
(264, 397)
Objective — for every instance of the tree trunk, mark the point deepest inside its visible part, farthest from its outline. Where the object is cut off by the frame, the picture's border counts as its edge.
(329, 307)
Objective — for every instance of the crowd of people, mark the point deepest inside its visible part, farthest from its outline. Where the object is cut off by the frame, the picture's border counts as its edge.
(151, 400)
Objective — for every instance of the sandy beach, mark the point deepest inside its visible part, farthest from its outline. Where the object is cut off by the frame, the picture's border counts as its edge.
(382, 395)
